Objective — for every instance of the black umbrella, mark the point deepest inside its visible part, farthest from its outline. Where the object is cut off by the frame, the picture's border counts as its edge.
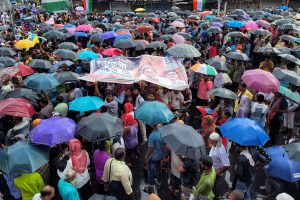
(7, 61)
(205, 25)
(238, 56)
(63, 30)
(262, 32)
(290, 58)
(2, 66)
(27, 94)
(235, 34)
(96, 38)
(288, 27)
(99, 126)
(55, 35)
(6, 51)
(293, 151)
(287, 75)
(214, 29)
(40, 63)
(68, 45)
(217, 63)
(125, 44)
(281, 22)
(270, 50)
(63, 77)
(186, 36)
(169, 30)
(175, 8)
(46, 29)
(165, 37)
(223, 93)
(140, 45)
(102, 197)
(157, 44)
(66, 54)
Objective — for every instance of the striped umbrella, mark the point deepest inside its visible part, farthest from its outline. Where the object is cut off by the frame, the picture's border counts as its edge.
(204, 69)
(183, 51)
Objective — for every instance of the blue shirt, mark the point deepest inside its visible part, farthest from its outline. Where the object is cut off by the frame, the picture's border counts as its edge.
(155, 142)
(67, 191)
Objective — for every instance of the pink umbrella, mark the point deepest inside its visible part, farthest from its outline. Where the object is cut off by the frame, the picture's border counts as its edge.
(178, 39)
(263, 23)
(84, 27)
(178, 24)
(71, 30)
(252, 25)
(261, 81)
(217, 24)
(50, 22)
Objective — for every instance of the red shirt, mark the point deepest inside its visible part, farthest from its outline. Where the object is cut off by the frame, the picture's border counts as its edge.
(212, 51)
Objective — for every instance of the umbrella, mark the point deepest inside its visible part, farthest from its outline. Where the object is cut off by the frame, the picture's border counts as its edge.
(284, 50)
(165, 37)
(79, 9)
(40, 63)
(214, 29)
(125, 44)
(41, 81)
(99, 126)
(217, 24)
(283, 7)
(178, 39)
(205, 13)
(263, 24)
(288, 38)
(210, 17)
(235, 34)
(54, 35)
(67, 76)
(205, 25)
(112, 52)
(175, 8)
(96, 38)
(156, 44)
(16, 107)
(66, 54)
(170, 30)
(108, 35)
(141, 45)
(25, 93)
(80, 34)
(84, 27)
(22, 158)
(223, 93)
(287, 75)
(102, 197)
(274, 17)
(217, 63)
(270, 50)
(123, 32)
(281, 166)
(153, 113)
(122, 37)
(235, 24)
(5, 51)
(24, 70)
(187, 36)
(281, 22)
(252, 25)
(82, 104)
(139, 10)
(190, 144)
(143, 28)
(238, 56)
(7, 61)
(290, 58)
(61, 63)
(293, 151)
(68, 45)
(204, 69)
(88, 55)
(45, 29)
(253, 79)
(261, 32)
(178, 24)
(245, 132)
(4, 27)
(53, 131)
(289, 94)
(183, 51)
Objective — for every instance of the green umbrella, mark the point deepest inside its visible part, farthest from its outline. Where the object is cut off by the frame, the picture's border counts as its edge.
(289, 94)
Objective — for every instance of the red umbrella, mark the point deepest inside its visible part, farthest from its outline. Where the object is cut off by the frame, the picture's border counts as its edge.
(112, 52)
(16, 107)
(156, 20)
(24, 70)
(143, 29)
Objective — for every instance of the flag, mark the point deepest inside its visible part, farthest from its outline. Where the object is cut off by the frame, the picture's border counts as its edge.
(88, 5)
(198, 5)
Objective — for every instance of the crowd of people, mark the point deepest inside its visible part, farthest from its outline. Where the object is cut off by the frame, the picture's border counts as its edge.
(79, 168)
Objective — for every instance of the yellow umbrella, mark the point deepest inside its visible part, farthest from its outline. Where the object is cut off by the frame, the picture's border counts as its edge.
(140, 10)
(24, 44)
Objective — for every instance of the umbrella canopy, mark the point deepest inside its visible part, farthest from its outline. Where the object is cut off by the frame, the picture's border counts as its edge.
(245, 132)
(263, 23)
(183, 51)
(156, 44)
(84, 27)
(217, 24)
(54, 35)
(16, 107)
(143, 28)
(204, 69)
(24, 44)
(252, 25)
(112, 52)
(293, 151)
(140, 10)
(40, 63)
(99, 126)
(68, 45)
(253, 79)
(235, 24)
(122, 37)
(178, 24)
(53, 131)
(7, 61)
(5, 51)
(217, 63)
(214, 29)
(289, 94)
(178, 39)
(288, 38)
(88, 55)
(223, 93)
(153, 113)
(41, 81)
(66, 54)
(287, 75)
(108, 35)
(125, 44)
(141, 45)
(24, 70)
(22, 158)
(82, 104)
(238, 56)
(26, 94)
(187, 36)
(281, 166)
(261, 32)
(290, 58)
(238, 34)
(288, 27)
(96, 38)
(190, 144)
(67, 76)
(270, 50)
(62, 63)
(165, 37)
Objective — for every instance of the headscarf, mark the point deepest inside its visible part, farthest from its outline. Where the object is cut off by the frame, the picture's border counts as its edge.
(128, 120)
(128, 108)
(78, 156)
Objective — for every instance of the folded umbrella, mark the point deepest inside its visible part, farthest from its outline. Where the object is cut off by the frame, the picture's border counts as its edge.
(40, 63)
(237, 56)
(153, 113)
(41, 81)
(53, 131)
(190, 144)
(253, 79)
(16, 107)
(245, 132)
(99, 126)
(289, 94)
(204, 69)
(66, 54)
(7, 61)
(223, 93)
(88, 55)
(23, 158)
(88, 103)
(5, 51)
(68, 45)
(67, 76)
(183, 51)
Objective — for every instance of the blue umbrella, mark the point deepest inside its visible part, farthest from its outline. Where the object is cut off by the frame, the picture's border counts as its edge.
(88, 55)
(281, 166)
(53, 131)
(41, 81)
(69, 26)
(283, 7)
(108, 35)
(22, 158)
(210, 17)
(297, 40)
(235, 24)
(122, 37)
(154, 112)
(80, 34)
(88, 103)
(245, 132)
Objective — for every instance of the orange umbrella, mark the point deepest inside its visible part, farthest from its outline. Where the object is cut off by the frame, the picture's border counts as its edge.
(143, 29)
(123, 32)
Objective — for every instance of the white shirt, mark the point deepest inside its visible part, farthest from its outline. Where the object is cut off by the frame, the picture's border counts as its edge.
(37, 196)
(139, 100)
(176, 100)
(219, 156)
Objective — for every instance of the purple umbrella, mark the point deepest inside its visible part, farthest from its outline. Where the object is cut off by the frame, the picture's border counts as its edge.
(53, 131)
(217, 24)
(108, 35)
